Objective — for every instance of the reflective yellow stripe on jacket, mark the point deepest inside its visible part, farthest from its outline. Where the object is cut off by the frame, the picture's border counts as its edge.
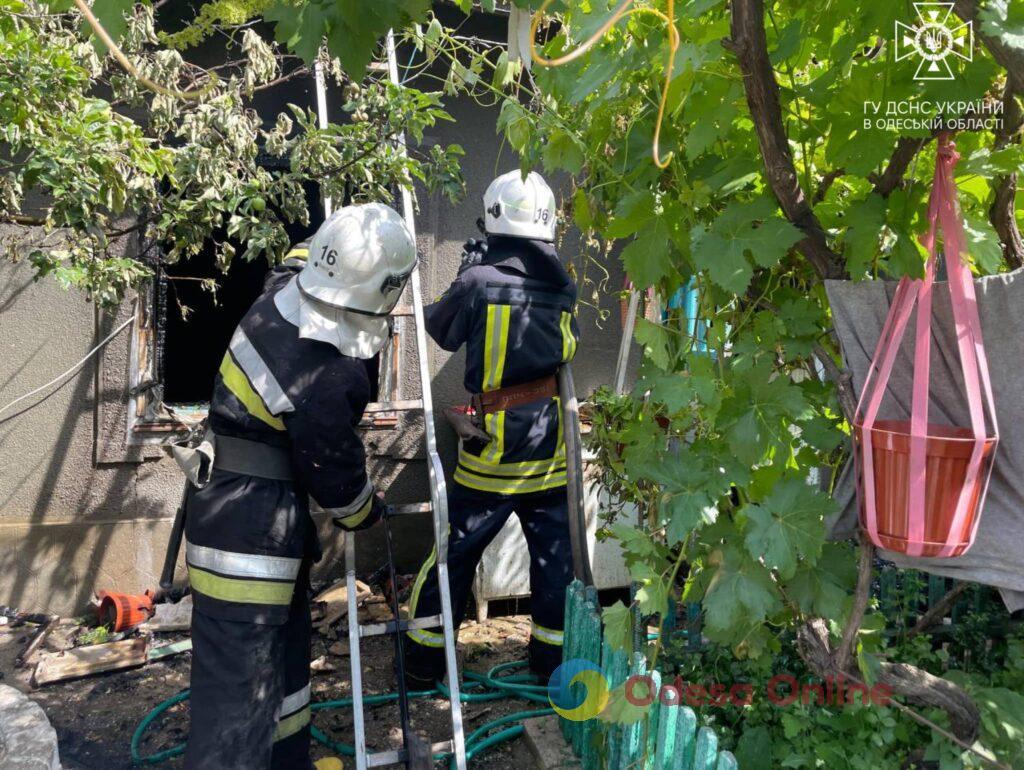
(250, 380)
(511, 486)
(568, 338)
(487, 473)
(293, 715)
(235, 381)
(495, 345)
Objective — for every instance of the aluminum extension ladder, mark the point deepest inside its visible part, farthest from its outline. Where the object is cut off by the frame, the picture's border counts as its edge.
(415, 753)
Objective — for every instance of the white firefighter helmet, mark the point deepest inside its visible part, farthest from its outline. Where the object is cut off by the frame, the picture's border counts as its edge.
(358, 263)
(359, 260)
(524, 208)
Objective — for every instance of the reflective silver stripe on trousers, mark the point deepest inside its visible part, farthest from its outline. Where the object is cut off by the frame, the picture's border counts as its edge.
(259, 374)
(355, 505)
(294, 702)
(549, 635)
(244, 565)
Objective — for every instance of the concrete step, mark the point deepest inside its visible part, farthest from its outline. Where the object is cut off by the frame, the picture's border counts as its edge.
(546, 745)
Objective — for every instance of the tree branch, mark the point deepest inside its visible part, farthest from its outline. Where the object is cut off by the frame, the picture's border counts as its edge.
(750, 46)
(21, 219)
(1003, 213)
(1009, 58)
(902, 156)
(826, 183)
(914, 684)
(860, 604)
(938, 611)
(841, 379)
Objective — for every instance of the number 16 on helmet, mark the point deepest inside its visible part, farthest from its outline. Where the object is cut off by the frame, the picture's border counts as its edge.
(359, 260)
(522, 208)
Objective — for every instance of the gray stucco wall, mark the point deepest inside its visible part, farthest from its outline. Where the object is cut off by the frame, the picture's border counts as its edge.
(72, 521)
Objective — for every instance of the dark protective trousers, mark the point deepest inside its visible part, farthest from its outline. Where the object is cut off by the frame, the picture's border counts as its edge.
(475, 519)
(250, 691)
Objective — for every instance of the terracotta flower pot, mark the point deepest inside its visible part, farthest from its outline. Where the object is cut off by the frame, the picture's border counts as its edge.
(947, 451)
(124, 611)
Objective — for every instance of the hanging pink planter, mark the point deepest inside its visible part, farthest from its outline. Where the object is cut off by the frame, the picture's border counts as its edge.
(921, 485)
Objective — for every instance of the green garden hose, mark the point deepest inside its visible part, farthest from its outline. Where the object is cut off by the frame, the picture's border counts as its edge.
(478, 688)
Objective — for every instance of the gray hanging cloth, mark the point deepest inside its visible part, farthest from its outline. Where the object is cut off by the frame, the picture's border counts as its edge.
(858, 311)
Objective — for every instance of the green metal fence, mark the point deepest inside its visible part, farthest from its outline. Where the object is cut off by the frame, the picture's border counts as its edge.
(667, 738)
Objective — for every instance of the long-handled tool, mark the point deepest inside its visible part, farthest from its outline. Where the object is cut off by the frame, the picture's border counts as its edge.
(417, 749)
(574, 476)
(174, 545)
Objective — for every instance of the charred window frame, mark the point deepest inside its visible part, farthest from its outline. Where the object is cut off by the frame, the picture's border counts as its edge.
(151, 420)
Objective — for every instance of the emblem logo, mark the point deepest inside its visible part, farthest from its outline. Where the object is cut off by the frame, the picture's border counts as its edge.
(934, 38)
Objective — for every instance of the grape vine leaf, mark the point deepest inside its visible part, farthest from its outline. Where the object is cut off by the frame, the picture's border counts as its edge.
(618, 625)
(741, 592)
(622, 710)
(1004, 20)
(864, 220)
(655, 340)
(822, 589)
(787, 525)
(111, 14)
(747, 230)
(631, 214)
(686, 501)
(352, 28)
(648, 258)
(760, 411)
(983, 244)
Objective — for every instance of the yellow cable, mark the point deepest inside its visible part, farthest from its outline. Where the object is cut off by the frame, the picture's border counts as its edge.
(621, 10)
(119, 55)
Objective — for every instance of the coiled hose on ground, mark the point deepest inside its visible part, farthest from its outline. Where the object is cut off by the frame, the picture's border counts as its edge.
(477, 688)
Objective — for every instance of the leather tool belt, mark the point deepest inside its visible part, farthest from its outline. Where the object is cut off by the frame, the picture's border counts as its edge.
(514, 395)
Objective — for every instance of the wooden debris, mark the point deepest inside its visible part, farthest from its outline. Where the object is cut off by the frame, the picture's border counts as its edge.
(338, 648)
(94, 659)
(322, 666)
(377, 613)
(333, 602)
(185, 645)
(26, 657)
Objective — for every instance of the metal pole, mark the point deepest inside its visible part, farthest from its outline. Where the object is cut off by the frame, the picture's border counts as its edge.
(626, 341)
(321, 114)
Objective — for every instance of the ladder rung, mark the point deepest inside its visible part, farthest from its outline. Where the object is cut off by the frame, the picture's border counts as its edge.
(407, 508)
(403, 311)
(393, 757)
(391, 626)
(375, 407)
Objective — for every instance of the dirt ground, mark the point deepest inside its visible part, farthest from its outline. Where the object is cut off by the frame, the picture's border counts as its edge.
(96, 716)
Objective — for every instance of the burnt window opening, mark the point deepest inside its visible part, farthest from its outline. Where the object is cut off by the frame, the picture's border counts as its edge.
(184, 330)
(195, 324)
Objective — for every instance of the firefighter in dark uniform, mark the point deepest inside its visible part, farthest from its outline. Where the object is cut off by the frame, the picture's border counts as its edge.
(513, 307)
(283, 428)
